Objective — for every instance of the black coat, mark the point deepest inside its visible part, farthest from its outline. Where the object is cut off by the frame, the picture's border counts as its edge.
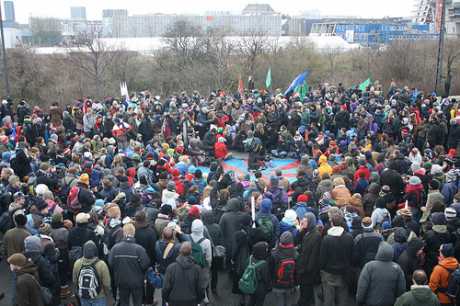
(409, 262)
(146, 236)
(80, 234)
(308, 264)
(336, 252)
(129, 262)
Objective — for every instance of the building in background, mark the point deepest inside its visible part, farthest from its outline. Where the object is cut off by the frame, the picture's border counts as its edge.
(8, 7)
(78, 13)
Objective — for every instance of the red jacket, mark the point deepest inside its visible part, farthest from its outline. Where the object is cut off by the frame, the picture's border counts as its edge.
(362, 169)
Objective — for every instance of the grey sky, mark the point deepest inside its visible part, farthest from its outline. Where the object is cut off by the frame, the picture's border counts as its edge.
(359, 8)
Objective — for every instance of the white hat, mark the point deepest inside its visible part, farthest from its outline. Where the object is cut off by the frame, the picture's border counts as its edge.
(82, 218)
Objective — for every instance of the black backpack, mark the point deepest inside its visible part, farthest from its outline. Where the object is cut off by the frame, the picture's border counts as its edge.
(88, 283)
(453, 287)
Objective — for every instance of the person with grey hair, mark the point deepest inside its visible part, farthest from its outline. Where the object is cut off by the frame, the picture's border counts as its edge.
(183, 283)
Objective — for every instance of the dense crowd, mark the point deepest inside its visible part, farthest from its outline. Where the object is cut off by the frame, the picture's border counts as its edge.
(110, 200)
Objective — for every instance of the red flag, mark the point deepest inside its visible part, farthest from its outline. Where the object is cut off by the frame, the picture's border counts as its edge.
(241, 86)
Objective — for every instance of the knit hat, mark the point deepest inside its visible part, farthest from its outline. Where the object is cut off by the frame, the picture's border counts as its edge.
(45, 229)
(56, 218)
(194, 211)
(303, 198)
(17, 259)
(82, 218)
(436, 169)
(286, 238)
(171, 186)
(40, 189)
(450, 213)
(366, 223)
(260, 250)
(447, 250)
(266, 206)
(90, 250)
(439, 222)
(32, 244)
(434, 184)
(84, 179)
(290, 217)
(415, 180)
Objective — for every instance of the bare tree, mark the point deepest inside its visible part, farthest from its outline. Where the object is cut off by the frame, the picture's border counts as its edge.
(452, 55)
(251, 47)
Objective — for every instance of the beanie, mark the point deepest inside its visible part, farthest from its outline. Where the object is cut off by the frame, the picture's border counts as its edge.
(84, 179)
(166, 210)
(32, 244)
(286, 238)
(266, 206)
(450, 213)
(303, 198)
(447, 250)
(194, 211)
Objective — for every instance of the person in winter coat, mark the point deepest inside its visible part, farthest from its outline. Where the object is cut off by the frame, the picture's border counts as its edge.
(81, 233)
(341, 194)
(265, 216)
(183, 282)
(129, 262)
(28, 291)
(13, 239)
(85, 195)
(231, 222)
(283, 271)
(324, 167)
(197, 236)
(412, 258)
(439, 278)
(366, 244)
(308, 262)
(90, 258)
(166, 249)
(289, 223)
(209, 220)
(400, 242)
(260, 252)
(163, 218)
(335, 261)
(381, 280)
(419, 294)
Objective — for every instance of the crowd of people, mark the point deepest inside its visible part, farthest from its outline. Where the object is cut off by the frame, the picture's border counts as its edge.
(110, 200)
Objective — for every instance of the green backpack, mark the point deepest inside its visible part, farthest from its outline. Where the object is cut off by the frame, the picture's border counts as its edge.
(198, 253)
(265, 224)
(248, 282)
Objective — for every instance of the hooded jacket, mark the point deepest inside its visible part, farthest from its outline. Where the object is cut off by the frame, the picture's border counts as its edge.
(90, 257)
(336, 251)
(381, 281)
(439, 278)
(308, 263)
(365, 247)
(231, 222)
(409, 261)
(28, 291)
(183, 282)
(265, 211)
(198, 234)
(418, 295)
(285, 250)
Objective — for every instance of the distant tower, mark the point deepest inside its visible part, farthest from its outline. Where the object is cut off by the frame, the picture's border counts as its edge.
(9, 11)
(78, 13)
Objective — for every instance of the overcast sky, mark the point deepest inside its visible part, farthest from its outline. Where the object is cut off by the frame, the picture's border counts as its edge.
(358, 8)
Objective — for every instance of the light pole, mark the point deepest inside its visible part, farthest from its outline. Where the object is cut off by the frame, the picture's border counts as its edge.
(440, 46)
(5, 64)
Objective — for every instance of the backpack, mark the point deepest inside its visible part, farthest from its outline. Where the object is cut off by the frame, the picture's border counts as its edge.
(453, 284)
(72, 200)
(198, 253)
(285, 273)
(88, 286)
(248, 282)
(265, 223)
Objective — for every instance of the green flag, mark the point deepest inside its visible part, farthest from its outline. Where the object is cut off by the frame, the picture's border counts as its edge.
(364, 84)
(302, 90)
(268, 80)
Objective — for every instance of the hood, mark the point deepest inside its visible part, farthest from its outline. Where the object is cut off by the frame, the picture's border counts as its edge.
(234, 204)
(90, 250)
(266, 206)
(400, 235)
(197, 228)
(335, 231)
(208, 217)
(421, 293)
(29, 268)
(385, 252)
(186, 262)
(311, 218)
(414, 246)
(449, 263)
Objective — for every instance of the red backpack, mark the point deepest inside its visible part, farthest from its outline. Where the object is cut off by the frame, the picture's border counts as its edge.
(286, 273)
(72, 200)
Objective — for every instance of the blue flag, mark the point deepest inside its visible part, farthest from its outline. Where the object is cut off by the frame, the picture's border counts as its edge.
(299, 80)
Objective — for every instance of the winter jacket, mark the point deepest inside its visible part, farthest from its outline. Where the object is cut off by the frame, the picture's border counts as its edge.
(164, 260)
(146, 236)
(365, 247)
(381, 281)
(439, 278)
(362, 169)
(230, 223)
(282, 252)
(409, 261)
(13, 240)
(160, 223)
(417, 296)
(341, 195)
(129, 262)
(183, 283)
(28, 292)
(80, 234)
(308, 264)
(336, 251)
(86, 199)
(102, 271)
